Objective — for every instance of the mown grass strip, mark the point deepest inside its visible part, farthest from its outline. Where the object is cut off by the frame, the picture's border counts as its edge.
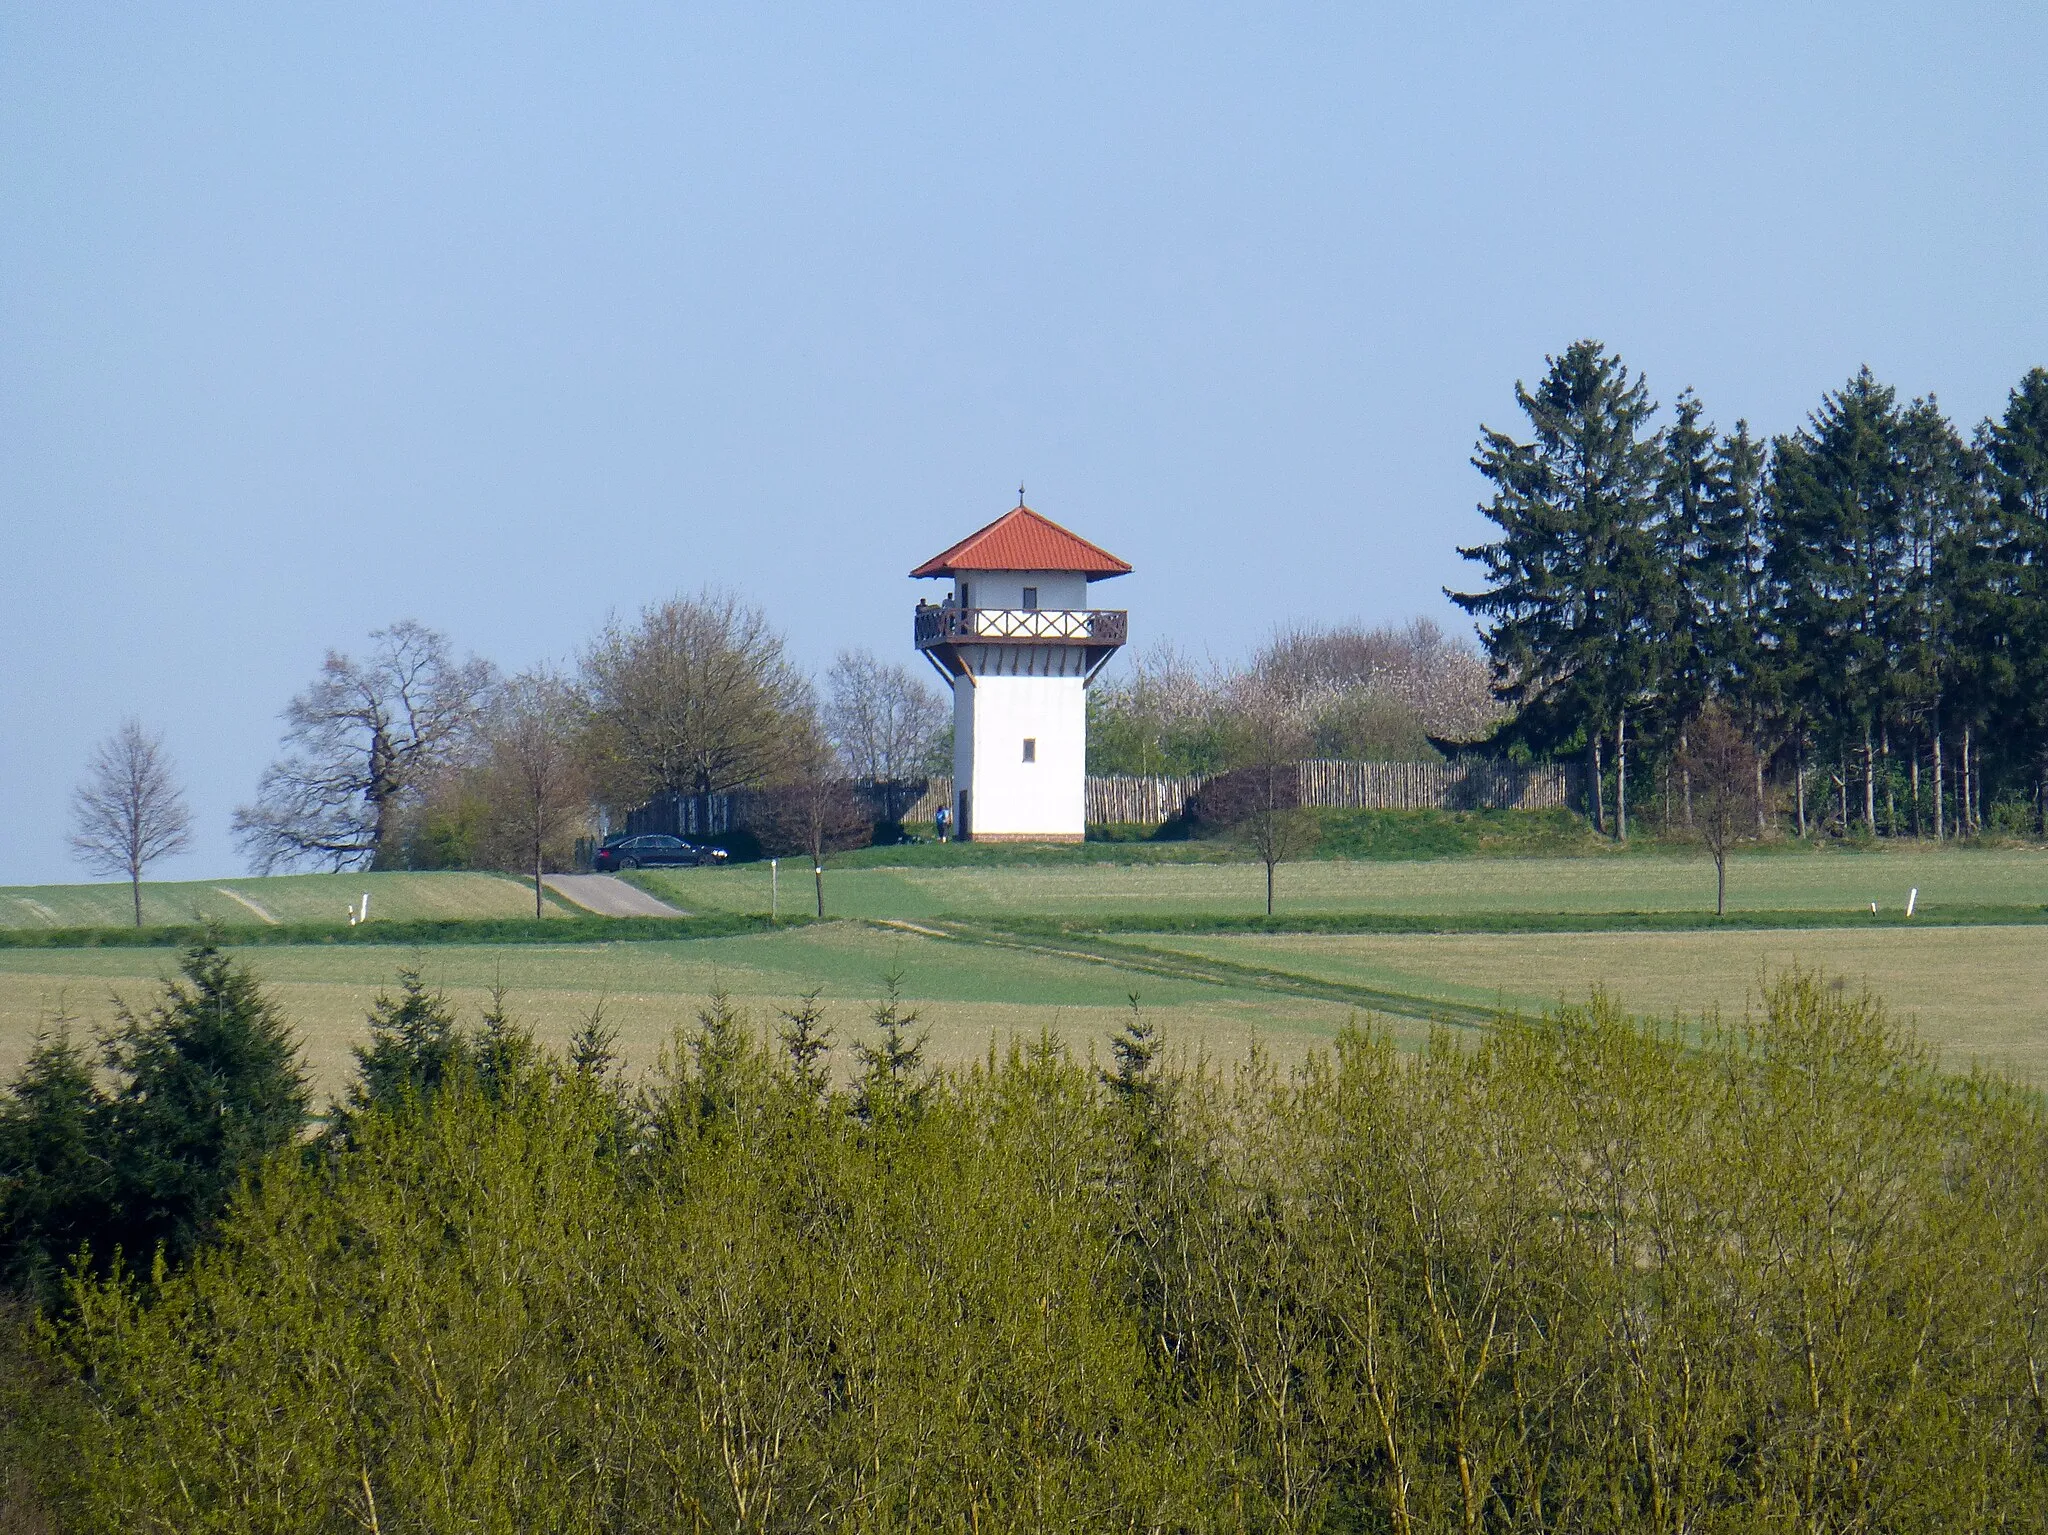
(520, 930)
(1510, 921)
(1174, 965)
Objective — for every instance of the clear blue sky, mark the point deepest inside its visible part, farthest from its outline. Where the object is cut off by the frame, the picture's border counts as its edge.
(502, 318)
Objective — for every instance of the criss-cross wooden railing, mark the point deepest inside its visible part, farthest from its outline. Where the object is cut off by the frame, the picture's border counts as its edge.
(1026, 626)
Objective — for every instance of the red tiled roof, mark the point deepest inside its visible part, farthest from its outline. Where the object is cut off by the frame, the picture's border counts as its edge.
(1020, 539)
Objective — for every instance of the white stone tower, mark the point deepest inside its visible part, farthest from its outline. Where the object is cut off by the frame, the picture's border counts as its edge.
(1018, 644)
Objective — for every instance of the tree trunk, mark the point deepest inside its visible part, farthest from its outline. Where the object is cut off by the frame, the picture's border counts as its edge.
(1891, 798)
(1762, 822)
(1269, 888)
(135, 885)
(1621, 777)
(1799, 785)
(1940, 824)
(1966, 811)
(1869, 785)
(1686, 774)
(1596, 787)
(537, 910)
(1721, 883)
(1913, 788)
(1842, 791)
(818, 876)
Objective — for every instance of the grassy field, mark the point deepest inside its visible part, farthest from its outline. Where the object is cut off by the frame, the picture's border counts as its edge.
(281, 898)
(978, 972)
(969, 992)
(1776, 882)
(1981, 994)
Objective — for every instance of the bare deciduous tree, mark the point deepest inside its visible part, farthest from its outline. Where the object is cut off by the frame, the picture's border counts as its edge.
(1727, 807)
(696, 698)
(885, 725)
(361, 740)
(129, 812)
(537, 786)
(1258, 802)
(814, 809)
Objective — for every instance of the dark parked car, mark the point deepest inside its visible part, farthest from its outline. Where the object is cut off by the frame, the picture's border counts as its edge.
(651, 850)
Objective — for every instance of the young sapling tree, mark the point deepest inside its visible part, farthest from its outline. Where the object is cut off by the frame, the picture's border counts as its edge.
(129, 812)
(1721, 761)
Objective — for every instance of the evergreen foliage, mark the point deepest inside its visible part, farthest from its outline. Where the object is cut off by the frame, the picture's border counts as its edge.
(416, 1047)
(893, 1079)
(593, 1048)
(56, 1177)
(1863, 595)
(503, 1052)
(202, 1089)
(807, 1042)
(1570, 614)
(209, 1085)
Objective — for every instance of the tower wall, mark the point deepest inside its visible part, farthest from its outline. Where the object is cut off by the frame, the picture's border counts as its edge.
(1008, 798)
(1005, 588)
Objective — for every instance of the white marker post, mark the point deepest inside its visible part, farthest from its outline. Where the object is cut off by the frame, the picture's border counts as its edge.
(774, 888)
(1912, 896)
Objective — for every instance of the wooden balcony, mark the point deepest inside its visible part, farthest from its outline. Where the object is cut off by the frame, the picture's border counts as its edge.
(1097, 628)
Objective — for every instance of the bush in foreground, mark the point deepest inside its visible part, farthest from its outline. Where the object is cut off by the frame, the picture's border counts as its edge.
(1588, 1275)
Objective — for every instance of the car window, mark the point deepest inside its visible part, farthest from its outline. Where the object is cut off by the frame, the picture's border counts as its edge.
(665, 841)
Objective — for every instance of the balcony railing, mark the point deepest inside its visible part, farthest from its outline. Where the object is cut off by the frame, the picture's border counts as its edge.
(1020, 626)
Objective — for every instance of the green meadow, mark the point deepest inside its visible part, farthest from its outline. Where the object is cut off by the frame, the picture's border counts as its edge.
(989, 944)
(872, 885)
(970, 992)
(280, 899)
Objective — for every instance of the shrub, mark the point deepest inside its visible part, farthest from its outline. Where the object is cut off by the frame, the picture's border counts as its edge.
(1590, 1274)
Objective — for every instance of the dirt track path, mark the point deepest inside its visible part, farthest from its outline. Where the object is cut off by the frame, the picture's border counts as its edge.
(607, 896)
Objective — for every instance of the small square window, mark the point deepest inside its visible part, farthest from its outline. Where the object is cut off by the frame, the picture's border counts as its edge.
(1030, 748)
(1030, 598)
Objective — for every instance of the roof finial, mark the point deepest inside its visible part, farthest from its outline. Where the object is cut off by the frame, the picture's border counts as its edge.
(1020, 492)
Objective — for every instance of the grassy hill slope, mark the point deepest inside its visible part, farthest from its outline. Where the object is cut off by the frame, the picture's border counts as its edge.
(280, 899)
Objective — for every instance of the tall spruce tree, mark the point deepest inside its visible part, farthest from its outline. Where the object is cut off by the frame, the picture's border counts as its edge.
(1742, 660)
(1837, 563)
(1736, 540)
(2006, 599)
(211, 1085)
(56, 1171)
(1936, 673)
(415, 1047)
(1569, 611)
(1688, 489)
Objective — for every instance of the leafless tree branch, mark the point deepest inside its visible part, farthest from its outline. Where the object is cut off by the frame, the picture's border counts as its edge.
(359, 742)
(129, 812)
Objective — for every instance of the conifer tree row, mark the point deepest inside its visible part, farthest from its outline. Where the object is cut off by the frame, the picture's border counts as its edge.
(1866, 596)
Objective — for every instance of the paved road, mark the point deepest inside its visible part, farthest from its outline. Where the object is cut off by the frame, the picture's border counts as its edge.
(608, 897)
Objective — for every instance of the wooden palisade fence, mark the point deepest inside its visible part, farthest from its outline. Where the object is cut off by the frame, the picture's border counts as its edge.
(1467, 783)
